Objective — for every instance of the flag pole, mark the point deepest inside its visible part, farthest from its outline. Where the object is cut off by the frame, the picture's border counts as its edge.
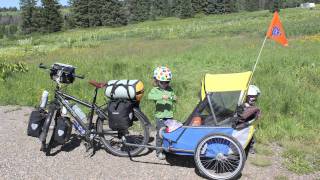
(258, 58)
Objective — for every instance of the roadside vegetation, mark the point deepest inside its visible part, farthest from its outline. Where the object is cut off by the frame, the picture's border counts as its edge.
(288, 77)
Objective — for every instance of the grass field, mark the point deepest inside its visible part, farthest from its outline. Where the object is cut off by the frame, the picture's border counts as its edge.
(288, 77)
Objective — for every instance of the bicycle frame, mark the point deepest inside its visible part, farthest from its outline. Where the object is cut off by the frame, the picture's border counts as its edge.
(62, 98)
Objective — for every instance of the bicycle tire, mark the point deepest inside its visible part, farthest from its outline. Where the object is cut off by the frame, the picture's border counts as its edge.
(123, 151)
(47, 132)
(223, 166)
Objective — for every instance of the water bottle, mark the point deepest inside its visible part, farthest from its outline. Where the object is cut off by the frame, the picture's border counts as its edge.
(79, 113)
(64, 111)
(44, 99)
(79, 128)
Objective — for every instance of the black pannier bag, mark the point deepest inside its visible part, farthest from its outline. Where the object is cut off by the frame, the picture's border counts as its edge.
(63, 130)
(67, 72)
(120, 113)
(36, 121)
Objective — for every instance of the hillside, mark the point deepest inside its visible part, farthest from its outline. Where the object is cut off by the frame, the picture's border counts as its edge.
(288, 77)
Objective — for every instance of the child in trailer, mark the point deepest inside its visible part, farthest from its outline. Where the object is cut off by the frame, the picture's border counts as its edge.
(164, 97)
(249, 111)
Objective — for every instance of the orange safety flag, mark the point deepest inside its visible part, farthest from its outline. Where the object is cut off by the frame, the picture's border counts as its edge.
(276, 31)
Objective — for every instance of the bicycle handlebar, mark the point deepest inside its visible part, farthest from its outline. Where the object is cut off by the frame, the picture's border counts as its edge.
(79, 76)
(42, 66)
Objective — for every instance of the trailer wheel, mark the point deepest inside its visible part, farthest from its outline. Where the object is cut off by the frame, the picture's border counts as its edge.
(219, 156)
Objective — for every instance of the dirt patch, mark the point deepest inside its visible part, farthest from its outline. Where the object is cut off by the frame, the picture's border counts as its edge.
(20, 158)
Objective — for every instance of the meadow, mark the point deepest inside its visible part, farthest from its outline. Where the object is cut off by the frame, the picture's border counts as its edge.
(288, 77)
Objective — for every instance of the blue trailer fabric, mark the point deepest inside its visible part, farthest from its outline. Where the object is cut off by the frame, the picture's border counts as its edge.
(187, 138)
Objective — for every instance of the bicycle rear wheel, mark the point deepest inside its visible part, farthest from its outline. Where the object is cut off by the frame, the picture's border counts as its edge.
(48, 128)
(138, 133)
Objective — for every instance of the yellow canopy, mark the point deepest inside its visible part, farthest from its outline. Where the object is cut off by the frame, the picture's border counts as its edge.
(225, 82)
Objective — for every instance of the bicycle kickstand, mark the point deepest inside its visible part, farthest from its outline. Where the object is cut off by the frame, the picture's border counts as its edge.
(126, 147)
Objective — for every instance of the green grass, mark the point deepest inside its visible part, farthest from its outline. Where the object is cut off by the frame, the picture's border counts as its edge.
(288, 77)
(261, 161)
(301, 158)
(262, 149)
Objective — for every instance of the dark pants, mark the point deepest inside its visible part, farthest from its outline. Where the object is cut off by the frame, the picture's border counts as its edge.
(159, 125)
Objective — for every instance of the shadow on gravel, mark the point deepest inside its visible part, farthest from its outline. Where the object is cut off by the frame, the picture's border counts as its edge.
(75, 142)
(147, 152)
(72, 144)
(172, 159)
(181, 161)
(175, 160)
(188, 162)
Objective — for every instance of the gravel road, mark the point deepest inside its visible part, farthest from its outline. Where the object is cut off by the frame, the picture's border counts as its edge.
(20, 158)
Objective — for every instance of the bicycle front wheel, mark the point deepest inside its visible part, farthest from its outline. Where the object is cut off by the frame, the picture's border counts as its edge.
(138, 133)
(48, 128)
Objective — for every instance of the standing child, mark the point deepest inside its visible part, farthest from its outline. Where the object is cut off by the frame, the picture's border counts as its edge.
(164, 98)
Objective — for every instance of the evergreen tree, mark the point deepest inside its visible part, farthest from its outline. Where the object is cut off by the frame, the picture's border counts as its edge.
(121, 13)
(27, 11)
(175, 7)
(113, 13)
(39, 22)
(230, 6)
(107, 13)
(211, 7)
(153, 11)
(80, 12)
(161, 7)
(68, 21)
(252, 5)
(220, 6)
(51, 16)
(198, 5)
(186, 10)
(139, 10)
(94, 10)
(275, 6)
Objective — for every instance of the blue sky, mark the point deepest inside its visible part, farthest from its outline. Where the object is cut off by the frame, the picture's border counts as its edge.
(15, 3)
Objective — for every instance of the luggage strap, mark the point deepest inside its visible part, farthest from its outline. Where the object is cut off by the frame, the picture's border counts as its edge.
(115, 86)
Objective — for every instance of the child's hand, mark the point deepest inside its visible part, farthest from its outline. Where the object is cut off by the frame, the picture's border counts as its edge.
(165, 97)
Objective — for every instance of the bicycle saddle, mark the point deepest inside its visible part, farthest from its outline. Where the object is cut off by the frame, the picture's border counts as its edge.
(96, 84)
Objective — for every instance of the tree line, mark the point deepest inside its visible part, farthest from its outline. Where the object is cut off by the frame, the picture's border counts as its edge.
(9, 22)
(47, 17)
(6, 9)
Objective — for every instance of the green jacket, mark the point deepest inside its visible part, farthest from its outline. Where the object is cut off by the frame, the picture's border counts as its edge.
(164, 108)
